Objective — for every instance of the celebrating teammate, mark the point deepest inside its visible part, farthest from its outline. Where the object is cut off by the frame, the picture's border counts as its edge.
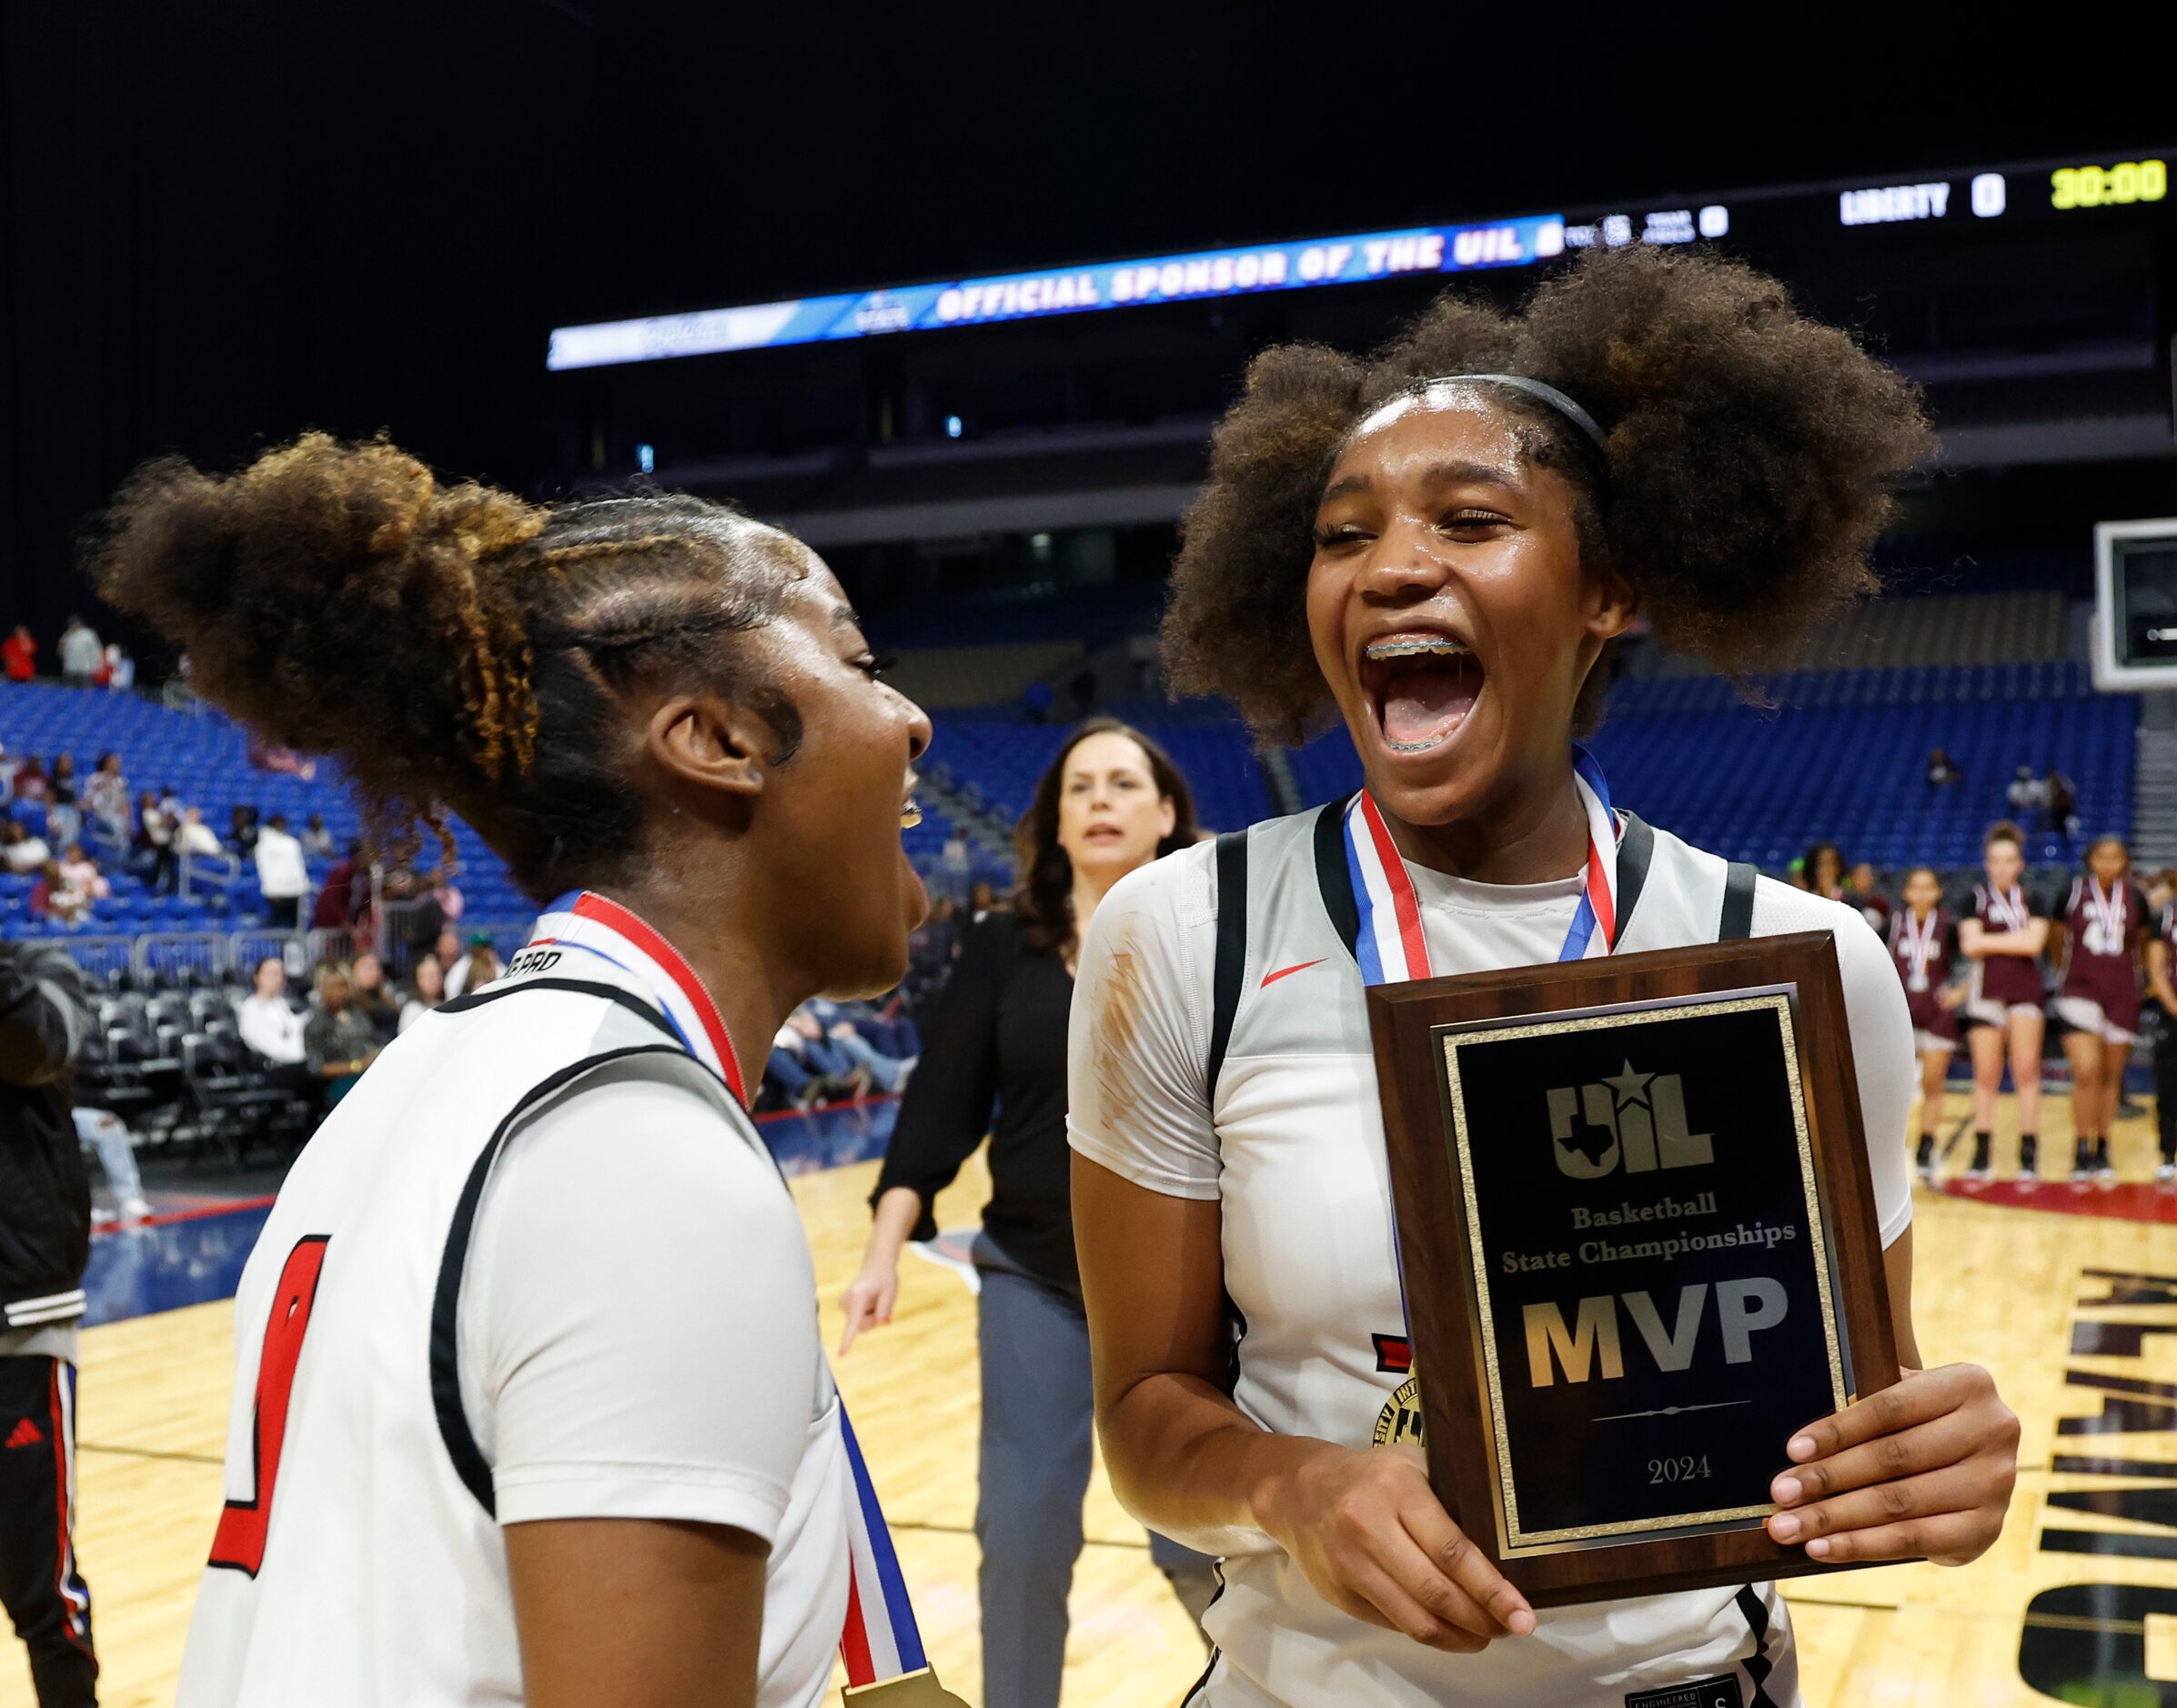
(2105, 925)
(529, 1403)
(1439, 545)
(2004, 939)
(1921, 935)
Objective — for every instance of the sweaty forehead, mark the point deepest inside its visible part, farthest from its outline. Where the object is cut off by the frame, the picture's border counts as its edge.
(1446, 423)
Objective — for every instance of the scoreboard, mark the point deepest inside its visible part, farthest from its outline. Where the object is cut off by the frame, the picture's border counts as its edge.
(2047, 198)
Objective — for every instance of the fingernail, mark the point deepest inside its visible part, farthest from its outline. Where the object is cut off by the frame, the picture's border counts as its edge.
(1800, 1447)
(1818, 1546)
(1786, 1490)
(1521, 1623)
(1784, 1526)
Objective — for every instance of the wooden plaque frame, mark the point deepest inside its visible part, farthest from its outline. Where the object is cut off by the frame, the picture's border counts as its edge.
(1435, 1242)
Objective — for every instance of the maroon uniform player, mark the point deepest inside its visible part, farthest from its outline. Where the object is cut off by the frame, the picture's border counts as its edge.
(1921, 937)
(2104, 923)
(2161, 964)
(2003, 1014)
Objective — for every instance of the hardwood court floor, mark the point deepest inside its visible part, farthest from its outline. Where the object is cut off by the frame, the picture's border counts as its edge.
(2001, 1286)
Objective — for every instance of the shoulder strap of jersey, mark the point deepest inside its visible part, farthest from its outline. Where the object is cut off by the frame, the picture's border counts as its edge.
(1232, 952)
(469, 1461)
(1736, 921)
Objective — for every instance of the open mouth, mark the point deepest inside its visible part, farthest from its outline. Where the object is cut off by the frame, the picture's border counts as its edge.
(910, 809)
(1422, 684)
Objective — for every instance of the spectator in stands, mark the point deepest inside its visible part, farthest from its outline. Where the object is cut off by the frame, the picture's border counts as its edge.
(807, 1066)
(955, 870)
(2026, 794)
(427, 992)
(52, 900)
(1821, 870)
(9, 766)
(475, 970)
(64, 808)
(242, 829)
(338, 1043)
(19, 655)
(982, 901)
(841, 1027)
(283, 875)
(105, 798)
(2060, 804)
(448, 894)
(484, 968)
(120, 669)
(317, 839)
(30, 778)
(1942, 773)
(152, 859)
(82, 653)
(446, 947)
(1863, 890)
(337, 901)
(1111, 802)
(931, 950)
(373, 998)
(286, 761)
(268, 1023)
(23, 851)
(195, 836)
(80, 872)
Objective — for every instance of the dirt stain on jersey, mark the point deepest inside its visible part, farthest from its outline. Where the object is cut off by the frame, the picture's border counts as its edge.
(1121, 996)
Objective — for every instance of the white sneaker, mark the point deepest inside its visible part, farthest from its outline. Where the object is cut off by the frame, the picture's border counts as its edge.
(2166, 1172)
(135, 1212)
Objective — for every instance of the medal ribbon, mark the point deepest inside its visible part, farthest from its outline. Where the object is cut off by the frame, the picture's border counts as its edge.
(1390, 946)
(2107, 910)
(2010, 907)
(1919, 943)
(881, 1639)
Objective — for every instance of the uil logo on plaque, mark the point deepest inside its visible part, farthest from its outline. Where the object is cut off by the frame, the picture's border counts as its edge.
(1620, 1241)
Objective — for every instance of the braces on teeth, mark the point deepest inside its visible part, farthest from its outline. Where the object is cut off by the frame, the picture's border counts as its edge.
(911, 815)
(1412, 648)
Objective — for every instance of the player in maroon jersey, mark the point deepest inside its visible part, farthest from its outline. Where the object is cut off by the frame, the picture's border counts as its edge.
(2104, 923)
(2003, 1014)
(2162, 981)
(1921, 937)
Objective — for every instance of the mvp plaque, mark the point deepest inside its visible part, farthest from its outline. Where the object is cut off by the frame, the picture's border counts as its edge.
(1641, 1252)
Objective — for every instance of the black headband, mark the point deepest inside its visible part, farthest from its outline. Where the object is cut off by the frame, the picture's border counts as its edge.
(1547, 395)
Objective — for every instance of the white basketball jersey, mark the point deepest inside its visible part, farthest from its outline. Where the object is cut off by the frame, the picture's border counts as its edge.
(1289, 1138)
(360, 1562)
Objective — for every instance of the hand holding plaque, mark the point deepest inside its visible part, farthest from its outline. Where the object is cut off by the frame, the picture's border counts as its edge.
(1641, 1252)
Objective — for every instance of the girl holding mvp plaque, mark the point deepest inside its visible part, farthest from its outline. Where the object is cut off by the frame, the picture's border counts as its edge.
(1437, 546)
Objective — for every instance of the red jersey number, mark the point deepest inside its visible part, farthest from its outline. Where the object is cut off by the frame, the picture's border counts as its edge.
(239, 1542)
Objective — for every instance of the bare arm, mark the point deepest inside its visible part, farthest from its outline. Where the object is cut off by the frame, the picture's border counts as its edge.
(871, 1295)
(1363, 1526)
(1977, 942)
(638, 1614)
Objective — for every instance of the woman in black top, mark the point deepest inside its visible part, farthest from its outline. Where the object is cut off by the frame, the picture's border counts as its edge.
(1110, 803)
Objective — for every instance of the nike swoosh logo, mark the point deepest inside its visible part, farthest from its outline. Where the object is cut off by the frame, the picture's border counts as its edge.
(1270, 978)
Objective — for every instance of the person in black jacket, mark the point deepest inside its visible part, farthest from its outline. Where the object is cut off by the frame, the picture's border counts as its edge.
(1110, 803)
(44, 1243)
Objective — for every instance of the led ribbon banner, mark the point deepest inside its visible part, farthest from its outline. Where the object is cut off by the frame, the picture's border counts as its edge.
(1275, 266)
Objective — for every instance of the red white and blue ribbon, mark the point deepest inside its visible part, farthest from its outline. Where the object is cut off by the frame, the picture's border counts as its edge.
(881, 1639)
(1392, 948)
(584, 919)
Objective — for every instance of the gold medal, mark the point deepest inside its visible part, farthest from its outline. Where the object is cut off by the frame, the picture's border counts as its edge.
(1400, 1420)
(919, 1689)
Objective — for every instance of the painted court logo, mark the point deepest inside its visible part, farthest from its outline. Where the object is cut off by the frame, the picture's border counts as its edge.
(1635, 1121)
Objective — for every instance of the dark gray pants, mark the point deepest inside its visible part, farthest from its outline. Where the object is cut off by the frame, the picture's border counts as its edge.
(1038, 1416)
